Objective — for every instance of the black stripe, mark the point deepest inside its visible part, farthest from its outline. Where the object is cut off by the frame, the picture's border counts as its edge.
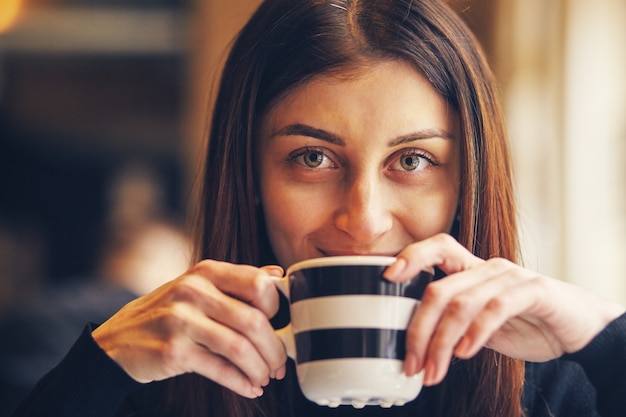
(350, 343)
(341, 280)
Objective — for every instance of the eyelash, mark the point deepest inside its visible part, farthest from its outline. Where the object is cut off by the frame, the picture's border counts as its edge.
(416, 153)
(300, 153)
(293, 157)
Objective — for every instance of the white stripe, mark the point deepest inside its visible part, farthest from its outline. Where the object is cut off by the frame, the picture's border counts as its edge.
(353, 381)
(352, 311)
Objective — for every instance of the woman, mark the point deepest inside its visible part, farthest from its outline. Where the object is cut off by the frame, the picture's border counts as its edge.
(356, 127)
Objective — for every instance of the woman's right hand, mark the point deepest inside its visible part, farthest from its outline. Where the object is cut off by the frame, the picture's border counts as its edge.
(213, 320)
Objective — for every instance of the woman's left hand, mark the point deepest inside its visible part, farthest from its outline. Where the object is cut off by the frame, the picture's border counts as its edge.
(495, 304)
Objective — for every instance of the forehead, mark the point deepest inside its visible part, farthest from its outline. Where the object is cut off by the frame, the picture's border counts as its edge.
(391, 92)
(363, 74)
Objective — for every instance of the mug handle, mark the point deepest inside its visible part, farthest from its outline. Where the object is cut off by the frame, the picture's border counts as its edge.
(286, 333)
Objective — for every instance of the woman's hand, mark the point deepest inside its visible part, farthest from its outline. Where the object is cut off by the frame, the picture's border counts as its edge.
(213, 320)
(495, 304)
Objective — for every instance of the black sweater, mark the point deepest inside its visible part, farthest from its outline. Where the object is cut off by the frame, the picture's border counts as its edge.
(591, 382)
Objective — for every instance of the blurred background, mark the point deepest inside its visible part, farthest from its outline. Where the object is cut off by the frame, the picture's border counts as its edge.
(93, 96)
(103, 109)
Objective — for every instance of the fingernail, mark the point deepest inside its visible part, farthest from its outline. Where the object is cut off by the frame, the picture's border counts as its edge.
(395, 269)
(257, 391)
(430, 373)
(410, 364)
(462, 348)
(281, 372)
(274, 270)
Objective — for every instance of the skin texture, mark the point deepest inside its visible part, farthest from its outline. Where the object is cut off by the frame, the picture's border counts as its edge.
(362, 163)
(495, 304)
(212, 320)
(359, 195)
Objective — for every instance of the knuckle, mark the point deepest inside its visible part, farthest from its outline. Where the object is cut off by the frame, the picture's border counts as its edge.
(254, 321)
(171, 352)
(541, 282)
(206, 267)
(444, 239)
(542, 286)
(459, 306)
(261, 285)
(184, 290)
(238, 350)
(264, 295)
(433, 293)
(495, 306)
(499, 264)
(173, 318)
(223, 370)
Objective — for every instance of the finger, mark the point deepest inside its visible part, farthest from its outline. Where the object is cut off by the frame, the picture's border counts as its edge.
(231, 345)
(427, 316)
(239, 317)
(278, 272)
(274, 270)
(222, 371)
(177, 339)
(463, 311)
(519, 300)
(252, 324)
(247, 283)
(446, 311)
(256, 327)
(441, 250)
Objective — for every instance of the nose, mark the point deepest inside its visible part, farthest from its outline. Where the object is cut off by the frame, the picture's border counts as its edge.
(365, 212)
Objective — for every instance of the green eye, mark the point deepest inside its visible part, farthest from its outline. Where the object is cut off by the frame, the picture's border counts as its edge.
(313, 159)
(410, 162)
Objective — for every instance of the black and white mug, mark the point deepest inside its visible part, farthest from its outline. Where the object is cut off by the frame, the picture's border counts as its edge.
(347, 333)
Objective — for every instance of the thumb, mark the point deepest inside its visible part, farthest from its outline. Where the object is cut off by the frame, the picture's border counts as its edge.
(274, 270)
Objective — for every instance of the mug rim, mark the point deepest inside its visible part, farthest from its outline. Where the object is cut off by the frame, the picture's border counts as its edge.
(343, 260)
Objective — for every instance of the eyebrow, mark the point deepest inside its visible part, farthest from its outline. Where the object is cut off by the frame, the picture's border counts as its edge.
(299, 129)
(422, 134)
(305, 130)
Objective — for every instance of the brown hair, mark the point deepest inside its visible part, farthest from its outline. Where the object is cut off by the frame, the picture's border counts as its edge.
(285, 44)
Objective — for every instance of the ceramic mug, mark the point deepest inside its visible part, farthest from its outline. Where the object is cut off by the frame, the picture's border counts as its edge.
(347, 333)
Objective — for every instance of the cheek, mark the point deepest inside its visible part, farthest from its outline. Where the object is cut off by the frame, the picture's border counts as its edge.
(425, 215)
(281, 215)
(290, 216)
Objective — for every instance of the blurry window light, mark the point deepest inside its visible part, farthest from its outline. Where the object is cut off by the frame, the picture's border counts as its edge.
(9, 10)
(101, 30)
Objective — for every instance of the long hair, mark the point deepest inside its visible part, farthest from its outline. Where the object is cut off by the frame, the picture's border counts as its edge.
(287, 43)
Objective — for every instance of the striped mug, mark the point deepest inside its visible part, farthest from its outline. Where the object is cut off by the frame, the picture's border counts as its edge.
(347, 333)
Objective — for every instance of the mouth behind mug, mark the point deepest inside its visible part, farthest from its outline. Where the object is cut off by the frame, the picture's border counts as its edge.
(330, 279)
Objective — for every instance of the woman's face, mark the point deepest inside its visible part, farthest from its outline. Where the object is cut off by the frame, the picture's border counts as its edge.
(359, 165)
